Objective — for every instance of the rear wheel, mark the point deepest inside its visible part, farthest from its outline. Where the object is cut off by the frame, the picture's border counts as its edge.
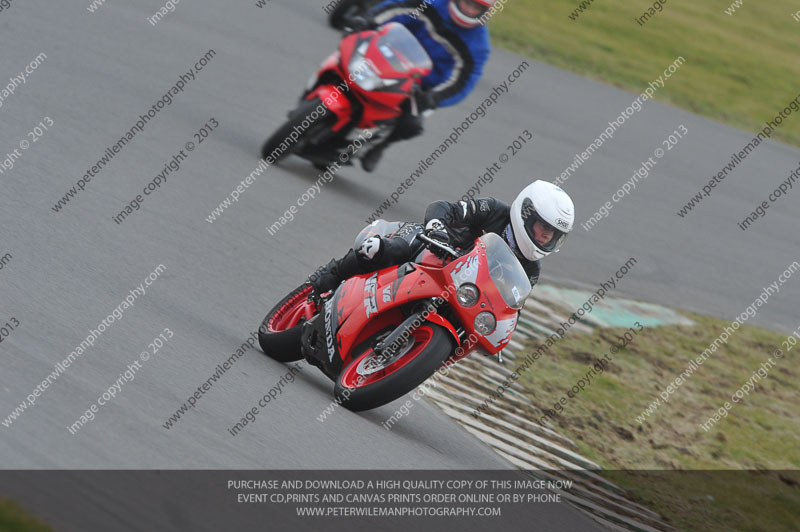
(279, 334)
(299, 127)
(370, 381)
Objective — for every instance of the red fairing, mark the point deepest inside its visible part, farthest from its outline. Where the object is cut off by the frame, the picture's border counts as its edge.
(369, 303)
(379, 105)
(490, 300)
(336, 101)
(382, 102)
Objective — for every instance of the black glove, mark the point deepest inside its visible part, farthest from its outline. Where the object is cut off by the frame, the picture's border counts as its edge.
(426, 100)
(358, 23)
(436, 230)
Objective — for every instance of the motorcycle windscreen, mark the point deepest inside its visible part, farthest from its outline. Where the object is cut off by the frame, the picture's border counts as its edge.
(507, 273)
(379, 227)
(403, 50)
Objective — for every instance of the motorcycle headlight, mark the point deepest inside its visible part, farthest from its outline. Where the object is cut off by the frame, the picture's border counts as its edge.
(467, 294)
(485, 323)
(363, 75)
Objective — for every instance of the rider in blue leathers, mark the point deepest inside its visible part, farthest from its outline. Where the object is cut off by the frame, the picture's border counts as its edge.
(457, 41)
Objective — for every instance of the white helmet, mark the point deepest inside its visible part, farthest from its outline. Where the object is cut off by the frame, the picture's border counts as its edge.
(543, 202)
(465, 21)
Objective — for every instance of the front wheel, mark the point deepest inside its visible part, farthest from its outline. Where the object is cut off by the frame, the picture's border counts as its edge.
(279, 334)
(369, 381)
(304, 122)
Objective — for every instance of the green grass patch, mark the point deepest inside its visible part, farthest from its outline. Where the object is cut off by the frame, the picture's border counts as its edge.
(760, 432)
(740, 69)
(717, 501)
(14, 519)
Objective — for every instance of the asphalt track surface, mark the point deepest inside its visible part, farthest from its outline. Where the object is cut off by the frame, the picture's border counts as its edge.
(72, 268)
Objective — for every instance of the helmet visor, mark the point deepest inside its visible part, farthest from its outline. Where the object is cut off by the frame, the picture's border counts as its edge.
(471, 8)
(547, 237)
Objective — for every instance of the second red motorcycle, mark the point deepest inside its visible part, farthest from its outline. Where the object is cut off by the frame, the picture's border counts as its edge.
(358, 92)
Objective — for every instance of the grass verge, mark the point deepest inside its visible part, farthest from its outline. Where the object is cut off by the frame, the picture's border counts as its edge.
(14, 519)
(741, 69)
(759, 432)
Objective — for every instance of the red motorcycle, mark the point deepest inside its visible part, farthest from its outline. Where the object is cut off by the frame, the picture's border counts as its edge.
(380, 335)
(359, 90)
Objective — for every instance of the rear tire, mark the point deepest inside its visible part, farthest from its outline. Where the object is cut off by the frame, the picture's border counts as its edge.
(295, 121)
(279, 335)
(434, 352)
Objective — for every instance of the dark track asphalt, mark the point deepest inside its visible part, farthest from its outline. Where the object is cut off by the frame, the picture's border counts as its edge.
(71, 269)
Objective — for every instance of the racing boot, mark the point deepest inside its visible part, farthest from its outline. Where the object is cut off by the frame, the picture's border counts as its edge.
(328, 277)
(371, 159)
(364, 260)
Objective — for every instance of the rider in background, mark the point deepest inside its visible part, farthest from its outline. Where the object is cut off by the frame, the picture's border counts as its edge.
(454, 35)
(534, 225)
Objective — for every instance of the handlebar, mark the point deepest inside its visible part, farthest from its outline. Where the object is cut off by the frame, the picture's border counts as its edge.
(441, 245)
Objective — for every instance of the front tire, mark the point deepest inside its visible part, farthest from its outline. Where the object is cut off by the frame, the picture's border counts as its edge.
(294, 123)
(279, 334)
(365, 384)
